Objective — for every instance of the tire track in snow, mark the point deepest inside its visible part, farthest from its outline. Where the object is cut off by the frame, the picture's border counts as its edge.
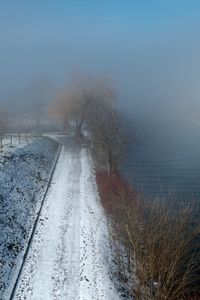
(34, 229)
(69, 256)
(95, 281)
(67, 267)
(37, 280)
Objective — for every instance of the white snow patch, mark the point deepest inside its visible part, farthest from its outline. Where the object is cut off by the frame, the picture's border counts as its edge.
(70, 256)
(95, 249)
(24, 171)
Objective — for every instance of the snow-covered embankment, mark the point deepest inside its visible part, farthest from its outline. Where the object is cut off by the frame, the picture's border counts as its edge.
(24, 172)
(69, 257)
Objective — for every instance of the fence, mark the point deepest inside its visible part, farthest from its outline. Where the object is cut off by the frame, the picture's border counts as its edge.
(13, 139)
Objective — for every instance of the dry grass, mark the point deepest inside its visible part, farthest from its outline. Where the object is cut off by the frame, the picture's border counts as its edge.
(160, 238)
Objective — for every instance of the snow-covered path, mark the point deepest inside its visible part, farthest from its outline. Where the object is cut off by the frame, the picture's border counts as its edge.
(69, 256)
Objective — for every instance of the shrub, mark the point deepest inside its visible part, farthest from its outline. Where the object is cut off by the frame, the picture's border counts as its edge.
(157, 242)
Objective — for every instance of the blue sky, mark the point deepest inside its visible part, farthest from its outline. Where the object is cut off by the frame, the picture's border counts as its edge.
(54, 12)
(142, 16)
(129, 39)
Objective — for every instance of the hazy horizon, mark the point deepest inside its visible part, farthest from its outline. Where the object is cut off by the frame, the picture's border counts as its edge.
(150, 48)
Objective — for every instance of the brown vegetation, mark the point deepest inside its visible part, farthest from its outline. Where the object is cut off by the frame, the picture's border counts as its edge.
(107, 139)
(77, 103)
(156, 242)
(160, 238)
(88, 105)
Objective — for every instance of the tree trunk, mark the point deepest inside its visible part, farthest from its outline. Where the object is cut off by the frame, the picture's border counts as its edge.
(78, 134)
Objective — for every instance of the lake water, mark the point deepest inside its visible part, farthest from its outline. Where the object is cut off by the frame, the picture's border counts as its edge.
(165, 157)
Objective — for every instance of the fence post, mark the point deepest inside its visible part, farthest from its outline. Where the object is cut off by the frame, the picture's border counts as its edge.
(11, 141)
(1, 144)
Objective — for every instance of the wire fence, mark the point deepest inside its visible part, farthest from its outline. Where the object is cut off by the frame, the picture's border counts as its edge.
(14, 139)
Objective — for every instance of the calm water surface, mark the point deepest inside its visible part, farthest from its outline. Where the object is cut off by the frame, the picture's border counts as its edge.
(165, 158)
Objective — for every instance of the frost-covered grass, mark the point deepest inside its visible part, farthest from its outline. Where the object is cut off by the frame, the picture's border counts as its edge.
(9, 143)
(24, 172)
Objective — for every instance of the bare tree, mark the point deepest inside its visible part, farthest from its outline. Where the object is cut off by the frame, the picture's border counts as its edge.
(76, 104)
(89, 104)
(59, 110)
(107, 136)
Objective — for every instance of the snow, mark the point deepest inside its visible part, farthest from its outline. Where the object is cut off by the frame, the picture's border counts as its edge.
(24, 171)
(95, 248)
(69, 257)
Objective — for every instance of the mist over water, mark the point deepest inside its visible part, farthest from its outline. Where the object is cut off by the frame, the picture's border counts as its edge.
(165, 158)
(150, 49)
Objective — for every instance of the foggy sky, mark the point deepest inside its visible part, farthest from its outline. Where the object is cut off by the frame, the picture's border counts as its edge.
(149, 47)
